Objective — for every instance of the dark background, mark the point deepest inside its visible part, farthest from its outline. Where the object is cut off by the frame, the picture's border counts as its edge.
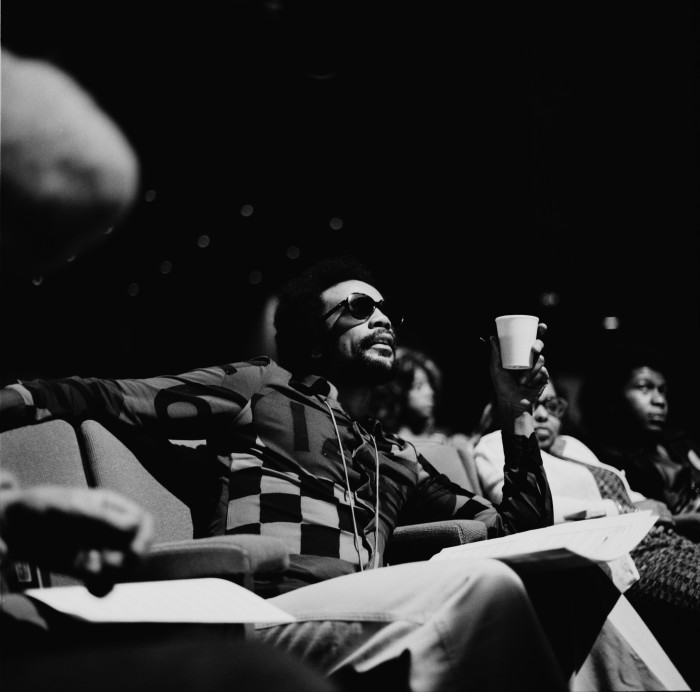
(483, 160)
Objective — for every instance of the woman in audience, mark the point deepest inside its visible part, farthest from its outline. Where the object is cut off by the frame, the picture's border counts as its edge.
(667, 594)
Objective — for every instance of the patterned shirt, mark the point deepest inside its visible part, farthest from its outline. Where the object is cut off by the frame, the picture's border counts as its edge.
(290, 460)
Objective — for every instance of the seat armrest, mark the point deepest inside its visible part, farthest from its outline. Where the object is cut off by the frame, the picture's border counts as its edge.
(415, 542)
(236, 558)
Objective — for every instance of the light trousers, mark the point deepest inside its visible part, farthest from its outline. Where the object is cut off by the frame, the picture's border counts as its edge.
(462, 625)
(443, 625)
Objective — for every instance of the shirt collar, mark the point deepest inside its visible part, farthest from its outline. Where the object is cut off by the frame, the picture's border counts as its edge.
(313, 385)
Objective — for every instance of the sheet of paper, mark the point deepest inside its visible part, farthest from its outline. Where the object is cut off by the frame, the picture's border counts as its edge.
(207, 600)
(600, 540)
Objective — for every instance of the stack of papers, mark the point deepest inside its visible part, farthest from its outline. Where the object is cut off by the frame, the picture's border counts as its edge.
(592, 540)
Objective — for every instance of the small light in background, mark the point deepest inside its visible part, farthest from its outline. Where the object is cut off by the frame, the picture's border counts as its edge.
(255, 277)
(247, 210)
(149, 195)
(549, 298)
(38, 280)
(611, 322)
(166, 267)
(336, 223)
(133, 289)
(109, 230)
(272, 7)
(293, 252)
(71, 259)
(203, 241)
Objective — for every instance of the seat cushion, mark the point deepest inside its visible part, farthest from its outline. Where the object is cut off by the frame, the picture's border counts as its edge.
(113, 465)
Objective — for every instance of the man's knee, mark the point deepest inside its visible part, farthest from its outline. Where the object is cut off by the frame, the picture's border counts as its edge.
(489, 576)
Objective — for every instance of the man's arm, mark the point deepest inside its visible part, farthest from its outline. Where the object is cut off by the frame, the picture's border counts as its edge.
(516, 391)
(14, 411)
(73, 399)
(527, 499)
(438, 499)
(183, 406)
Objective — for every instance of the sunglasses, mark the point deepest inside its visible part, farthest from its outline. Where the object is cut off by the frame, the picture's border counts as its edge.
(361, 307)
(555, 405)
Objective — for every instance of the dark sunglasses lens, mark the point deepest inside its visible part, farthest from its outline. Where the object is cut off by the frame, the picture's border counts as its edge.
(360, 306)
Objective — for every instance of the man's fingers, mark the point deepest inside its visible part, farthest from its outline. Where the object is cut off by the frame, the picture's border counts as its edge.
(536, 380)
(131, 525)
(98, 585)
(88, 532)
(100, 569)
(143, 538)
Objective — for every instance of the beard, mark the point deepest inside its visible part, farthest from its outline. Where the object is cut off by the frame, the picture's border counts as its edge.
(369, 368)
(377, 371)
(363, 367)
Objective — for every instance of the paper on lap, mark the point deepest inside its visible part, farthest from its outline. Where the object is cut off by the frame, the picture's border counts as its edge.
(206, 600)
(597, 540)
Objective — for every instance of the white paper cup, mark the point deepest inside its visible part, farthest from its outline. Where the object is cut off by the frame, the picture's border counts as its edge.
(516, 335)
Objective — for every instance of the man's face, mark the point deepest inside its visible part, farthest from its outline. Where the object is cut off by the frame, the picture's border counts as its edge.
(547, 424)
(646, 394)
(362, 348)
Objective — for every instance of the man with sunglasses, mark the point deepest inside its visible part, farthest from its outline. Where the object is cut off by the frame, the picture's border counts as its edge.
(302, 461)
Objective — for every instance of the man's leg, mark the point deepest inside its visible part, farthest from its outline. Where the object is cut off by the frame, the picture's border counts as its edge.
(454, 624)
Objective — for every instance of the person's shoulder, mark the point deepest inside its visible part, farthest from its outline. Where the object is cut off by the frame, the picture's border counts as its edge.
(489, 445)
(490, 439)
(680, 436)
(575, 449)
(261, 369)
(681, 443)
(256, 363)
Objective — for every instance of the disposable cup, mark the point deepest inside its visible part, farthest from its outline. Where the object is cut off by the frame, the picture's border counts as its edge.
(516, 335)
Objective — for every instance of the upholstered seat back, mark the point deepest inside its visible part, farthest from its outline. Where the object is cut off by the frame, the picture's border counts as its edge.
(44, 454)
(113, 465)
(454, 459)
(47, 453)
(173, 480)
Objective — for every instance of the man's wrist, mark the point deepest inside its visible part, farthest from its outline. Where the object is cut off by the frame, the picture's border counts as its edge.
(519, 448)
(516, 420)
(14, 411)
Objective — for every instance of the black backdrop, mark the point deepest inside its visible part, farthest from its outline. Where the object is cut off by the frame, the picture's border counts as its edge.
(483, 159)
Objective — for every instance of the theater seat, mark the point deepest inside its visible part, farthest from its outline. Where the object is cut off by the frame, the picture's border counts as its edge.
(54, 452)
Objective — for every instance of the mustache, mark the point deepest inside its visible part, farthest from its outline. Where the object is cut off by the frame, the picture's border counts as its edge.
(380, 336)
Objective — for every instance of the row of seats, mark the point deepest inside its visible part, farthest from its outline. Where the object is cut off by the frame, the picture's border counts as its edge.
(56, 452)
